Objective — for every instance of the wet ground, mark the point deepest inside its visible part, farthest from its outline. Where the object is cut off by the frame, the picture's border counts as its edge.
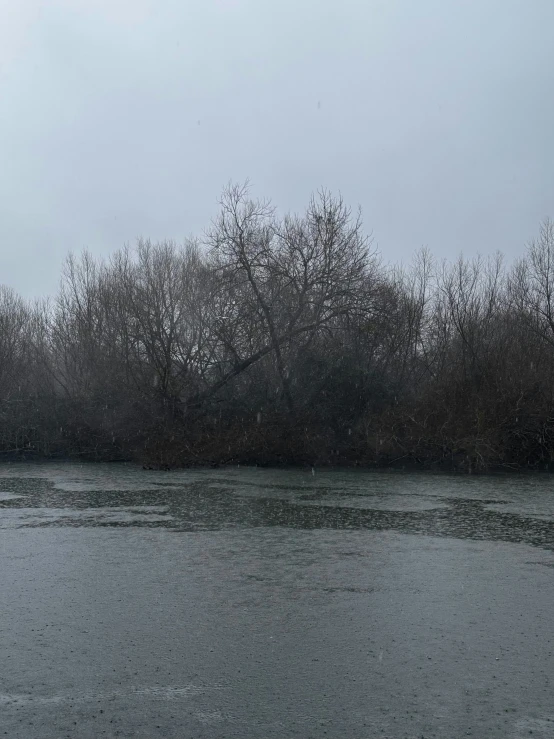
(261, 603)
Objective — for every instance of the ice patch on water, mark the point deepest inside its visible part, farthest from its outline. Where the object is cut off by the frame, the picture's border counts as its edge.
(9, 496)
(16, 517)
(168, 693)
(543, 728)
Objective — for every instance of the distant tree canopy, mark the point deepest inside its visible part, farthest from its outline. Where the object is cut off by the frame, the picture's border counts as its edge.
(284, 340)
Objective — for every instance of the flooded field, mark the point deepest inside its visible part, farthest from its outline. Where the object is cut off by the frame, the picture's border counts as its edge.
(274, 603)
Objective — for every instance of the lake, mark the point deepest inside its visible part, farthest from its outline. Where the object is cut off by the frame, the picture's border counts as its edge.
(243, 602)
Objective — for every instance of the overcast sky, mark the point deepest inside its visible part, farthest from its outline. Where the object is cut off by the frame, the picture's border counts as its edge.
(124, 118)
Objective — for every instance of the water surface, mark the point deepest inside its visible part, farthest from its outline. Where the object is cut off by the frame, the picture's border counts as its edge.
(262, 603)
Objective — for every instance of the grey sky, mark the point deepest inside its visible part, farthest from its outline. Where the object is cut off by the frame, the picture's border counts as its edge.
(121, 118)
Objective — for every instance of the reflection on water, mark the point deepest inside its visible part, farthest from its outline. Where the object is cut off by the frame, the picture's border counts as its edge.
(511, 509)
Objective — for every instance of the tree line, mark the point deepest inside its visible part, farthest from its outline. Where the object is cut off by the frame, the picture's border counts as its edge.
(284, 339)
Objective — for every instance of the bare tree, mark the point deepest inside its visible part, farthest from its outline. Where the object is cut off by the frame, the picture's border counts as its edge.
(296, 274)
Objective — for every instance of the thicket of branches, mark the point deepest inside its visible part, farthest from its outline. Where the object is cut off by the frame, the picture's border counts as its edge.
(284, 339)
